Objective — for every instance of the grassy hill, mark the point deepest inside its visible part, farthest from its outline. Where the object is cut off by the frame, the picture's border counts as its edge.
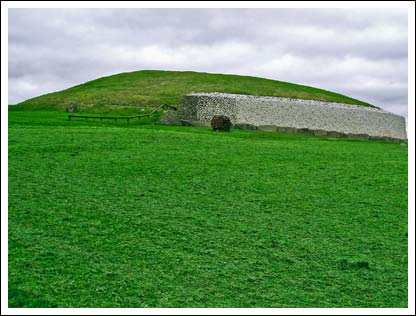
(143, 215)
(152, 87)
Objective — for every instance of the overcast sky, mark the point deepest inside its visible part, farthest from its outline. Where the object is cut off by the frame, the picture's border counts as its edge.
(357, 52)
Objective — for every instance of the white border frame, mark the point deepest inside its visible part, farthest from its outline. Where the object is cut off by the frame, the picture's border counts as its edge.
(206, 4)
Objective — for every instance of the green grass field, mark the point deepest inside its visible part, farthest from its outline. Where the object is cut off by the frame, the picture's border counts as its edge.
(143, 215)
(153, 87)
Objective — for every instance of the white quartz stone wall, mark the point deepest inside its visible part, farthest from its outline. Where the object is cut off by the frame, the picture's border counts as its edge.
(339, 117)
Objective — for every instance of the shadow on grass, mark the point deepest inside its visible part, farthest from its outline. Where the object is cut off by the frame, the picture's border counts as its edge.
(23, 299)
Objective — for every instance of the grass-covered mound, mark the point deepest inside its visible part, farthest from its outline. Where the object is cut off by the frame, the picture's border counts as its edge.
(153, 87)
(141, 215)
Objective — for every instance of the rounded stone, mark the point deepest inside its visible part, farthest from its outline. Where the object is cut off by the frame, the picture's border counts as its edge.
(221, 123)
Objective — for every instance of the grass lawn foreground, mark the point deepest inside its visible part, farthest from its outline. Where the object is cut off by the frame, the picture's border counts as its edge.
(145, 215)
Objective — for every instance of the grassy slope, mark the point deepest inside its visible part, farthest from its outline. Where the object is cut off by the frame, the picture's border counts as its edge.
(105, 215)
(151, 87)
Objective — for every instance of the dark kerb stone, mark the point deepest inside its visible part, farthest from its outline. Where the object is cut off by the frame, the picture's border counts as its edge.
(384, 139)
(320, 132)
(290, 130)
(305, 131)
(186, 123)
(267, 128)
(246, 126)
(221, 123)
(395, 140)
(377, 138)
(358, 136)
(336, 134)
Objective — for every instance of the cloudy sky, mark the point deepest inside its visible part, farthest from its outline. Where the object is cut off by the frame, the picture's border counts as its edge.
(357, 52)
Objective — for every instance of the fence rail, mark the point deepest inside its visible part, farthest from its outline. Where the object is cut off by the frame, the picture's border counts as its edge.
(128, 118)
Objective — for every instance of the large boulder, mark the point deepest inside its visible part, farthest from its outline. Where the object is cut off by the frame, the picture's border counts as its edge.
(221, 123)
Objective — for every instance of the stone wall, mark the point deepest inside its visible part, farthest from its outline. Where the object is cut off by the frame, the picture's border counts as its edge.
(274, 111)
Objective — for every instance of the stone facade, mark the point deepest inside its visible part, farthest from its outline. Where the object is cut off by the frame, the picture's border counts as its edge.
(293, 113)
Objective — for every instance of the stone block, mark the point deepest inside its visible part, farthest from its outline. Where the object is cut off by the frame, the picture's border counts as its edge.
(267, 128)
(305, 131)
(336, 134)
(385, 139)
(377, 138)
(320, 132)
(246, 126)
(395, 140)
(358, 136)
(186, 123)
(289, 130)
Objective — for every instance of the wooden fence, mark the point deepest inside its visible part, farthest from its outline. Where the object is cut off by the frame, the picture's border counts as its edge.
(128, 118)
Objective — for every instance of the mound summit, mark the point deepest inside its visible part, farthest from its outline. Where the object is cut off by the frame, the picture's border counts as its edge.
(153, 87)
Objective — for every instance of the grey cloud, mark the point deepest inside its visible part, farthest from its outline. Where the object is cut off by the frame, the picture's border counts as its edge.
(361, 53)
